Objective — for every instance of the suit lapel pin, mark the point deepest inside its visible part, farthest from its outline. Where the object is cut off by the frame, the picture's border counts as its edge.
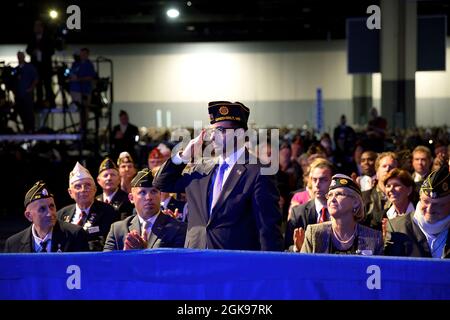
(66, 219)
(239, 172)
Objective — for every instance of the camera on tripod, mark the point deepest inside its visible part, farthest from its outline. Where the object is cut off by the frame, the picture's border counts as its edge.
(63, 76)
(8, 77)
(99, 97)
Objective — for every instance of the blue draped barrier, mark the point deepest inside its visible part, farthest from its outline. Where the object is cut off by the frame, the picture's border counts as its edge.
(209, 274)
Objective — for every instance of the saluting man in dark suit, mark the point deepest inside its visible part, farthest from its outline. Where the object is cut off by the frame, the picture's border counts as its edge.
(46, 233)
(232, 205)
(149, 228)
(424, 233)
(108, 178)
(92, 215)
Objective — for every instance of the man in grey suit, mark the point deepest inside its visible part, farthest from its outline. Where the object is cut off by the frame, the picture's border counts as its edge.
(149, 228)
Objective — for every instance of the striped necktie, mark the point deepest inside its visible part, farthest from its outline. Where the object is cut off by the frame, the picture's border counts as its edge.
(147, 225)
(44, 245)
(83, 215)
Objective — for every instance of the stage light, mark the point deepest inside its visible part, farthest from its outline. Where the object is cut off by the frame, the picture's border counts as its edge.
(173, 13)
(53, 14)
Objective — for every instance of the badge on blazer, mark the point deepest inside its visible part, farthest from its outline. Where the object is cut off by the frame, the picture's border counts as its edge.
(93, 229)
(67, 219)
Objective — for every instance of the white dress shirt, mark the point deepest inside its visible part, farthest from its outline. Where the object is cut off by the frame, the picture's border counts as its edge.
(150, 223)
(38, 241)
(77, 215)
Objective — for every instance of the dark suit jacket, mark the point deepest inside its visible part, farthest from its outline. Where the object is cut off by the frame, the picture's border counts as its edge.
(128, 141)
(45, 45)
(175, 204)
(101, 215)
(405, 239)
(302, 216)
(246, 215)
(120, 203)
(318, 237)
(374, 209)
(167, 232)
(65, 237)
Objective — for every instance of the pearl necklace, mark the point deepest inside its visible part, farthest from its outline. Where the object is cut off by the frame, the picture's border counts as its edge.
(341, 240)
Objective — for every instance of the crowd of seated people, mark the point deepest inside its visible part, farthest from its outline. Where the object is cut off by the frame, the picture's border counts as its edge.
(336, 196)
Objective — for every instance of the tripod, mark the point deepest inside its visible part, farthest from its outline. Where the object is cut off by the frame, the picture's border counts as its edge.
(61, 73)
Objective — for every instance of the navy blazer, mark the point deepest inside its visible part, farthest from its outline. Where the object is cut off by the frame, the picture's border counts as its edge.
(120, 203)
(98, 222)
(246, 215)
(66, 237)
(302, 216)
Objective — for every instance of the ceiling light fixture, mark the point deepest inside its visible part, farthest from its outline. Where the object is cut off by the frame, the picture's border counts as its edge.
(53, 14)
(173, 13)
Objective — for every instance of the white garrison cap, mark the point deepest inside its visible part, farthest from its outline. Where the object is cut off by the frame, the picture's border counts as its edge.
(79, 172)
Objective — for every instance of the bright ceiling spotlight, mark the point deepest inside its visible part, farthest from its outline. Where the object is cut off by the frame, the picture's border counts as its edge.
(173, 13)
(53, 14)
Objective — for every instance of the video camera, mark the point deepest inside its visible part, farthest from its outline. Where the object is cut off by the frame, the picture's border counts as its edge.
(63, 74)
(8, 76)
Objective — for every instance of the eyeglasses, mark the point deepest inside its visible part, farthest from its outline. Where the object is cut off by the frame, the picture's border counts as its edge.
(338, 195)
(221, 130)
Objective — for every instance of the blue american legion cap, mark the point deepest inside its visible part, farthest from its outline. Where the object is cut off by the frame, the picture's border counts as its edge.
(228, 111)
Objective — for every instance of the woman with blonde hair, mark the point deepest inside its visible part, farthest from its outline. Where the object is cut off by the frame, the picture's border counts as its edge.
(343, 234)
